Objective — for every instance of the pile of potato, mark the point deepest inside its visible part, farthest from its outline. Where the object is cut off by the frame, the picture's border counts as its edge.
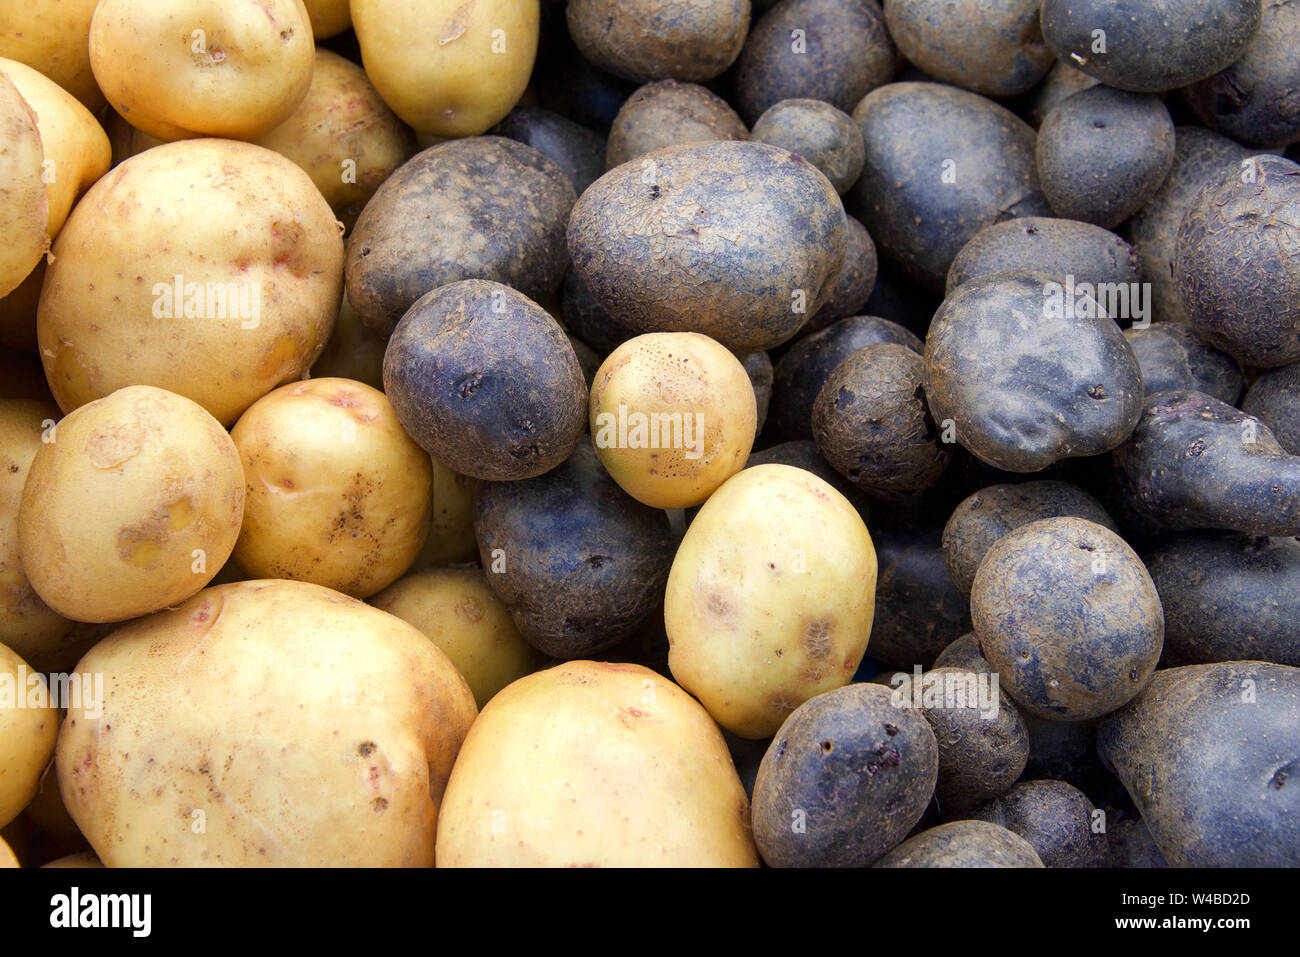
(650, 433)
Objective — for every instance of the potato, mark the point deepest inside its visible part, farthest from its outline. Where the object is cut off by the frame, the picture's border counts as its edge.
(451, 531)
(1103, 153)
(645, 40)
(846, 777)
(1062, 81)
(580, 565)
(457, 610)
(29, 725)
(336, 493)
(328, 17)
(26, 207)
(666, 113)
(233, 282)
(824, 136)
(454, 212)
(352, 352)
(1055, 818)
(1172, 357)
(964, 654)
(343, 135)
(578, 151)
(747, 241)
(992, 48)
(770, 597)
(1027, 376)
(856, 281)
(1273, 399)
(447, 67)
(185, 68)
(1068, 616)
(1063, 247)
(841, 54)
(963, 844)
(673, 416)
(1235, 267)
(486, 381)
(1205, 752)
(942, 164)
(347, 770)
(54, 38)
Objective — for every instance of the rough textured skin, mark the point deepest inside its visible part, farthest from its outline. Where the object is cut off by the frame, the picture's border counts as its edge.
(1257, 99)
(963, 844)
(1063, 247)
(1229, 597)
(645, 40)
(964, 654)
(1172, 357)
(824, 136)
(666, 113)
(844, 780)
(1274, 399)
(871, 423)
(486, 381)
(1199, 155)
(1103, 153)
(1195, 462)
(1237, 262)
(1210, 755)
(1131, 845)
(588, 320)
(1055, 818)
(584, 564)
(994, 48)
(482, 207)
(801, 372)
(803, 454)
(576, 150)
(846, 54)
(983, 518)
(853, 287)
(1068, 617)
(739, 235)
(758, 366)
(1025, 389)
(1150, 47)
(1063, 80)
(911, 132)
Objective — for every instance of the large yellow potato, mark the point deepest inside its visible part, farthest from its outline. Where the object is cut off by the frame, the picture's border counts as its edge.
(134, 506)
(770, 597)
(24, 212)
(459, 612)
(220, 265)
(28, 728)
(593, 764)
(53, 36)
(448, 67)
(182, 68)
(337, 493)
(265, 723)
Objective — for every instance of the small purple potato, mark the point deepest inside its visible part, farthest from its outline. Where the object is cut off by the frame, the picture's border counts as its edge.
(1274, 399)
(1172, 357)
(824, 136)
(667, 113)
(646, 40)
(963, 844)
(1055, 818)
(1063, 81)
(578, 151)
(856, 281)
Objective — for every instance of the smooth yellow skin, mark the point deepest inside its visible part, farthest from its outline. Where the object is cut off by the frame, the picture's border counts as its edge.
(53, 36)
(27, 735)
(214, 212)
(85, 859)
(337, 493)
(451, 532)
(267, 724)
(24, 212)
(590, 764)
(77, 150)
(681, 373)
(343, 135)
(183, 68)
(328, 17)
(7, 858)
(435, 62)
(352, 352)
(134, 506)
(770, 598)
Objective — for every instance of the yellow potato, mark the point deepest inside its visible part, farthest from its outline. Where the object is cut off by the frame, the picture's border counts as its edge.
(451, 532)
(448, 67)
(337, 493)
(265, 723)
(83, 860)
(220, 264)
(594, 764)
(54, 37)
(25, 208)
(28, 728)
(673, 416)
(461, 614)
(770, 597)
(328, 17)
(183, 68)
(134, 506)
(353, 351)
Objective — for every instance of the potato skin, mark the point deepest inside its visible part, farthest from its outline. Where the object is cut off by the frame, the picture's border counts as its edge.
(55, 39)
(577, 150)
(27, 736)
(1060, 246)
(1205, 752)
(453, 212)
(486, 381)
(585, 730)
(741, 234)
(1068, 616)
(963, 844)
(824, 136)
(26, 211)
(803, 454)
(1274, 399)
(856, 281)
(1054, 817)
(1063, 80)
(666, 113)
(1172, 357)
(844, 780)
